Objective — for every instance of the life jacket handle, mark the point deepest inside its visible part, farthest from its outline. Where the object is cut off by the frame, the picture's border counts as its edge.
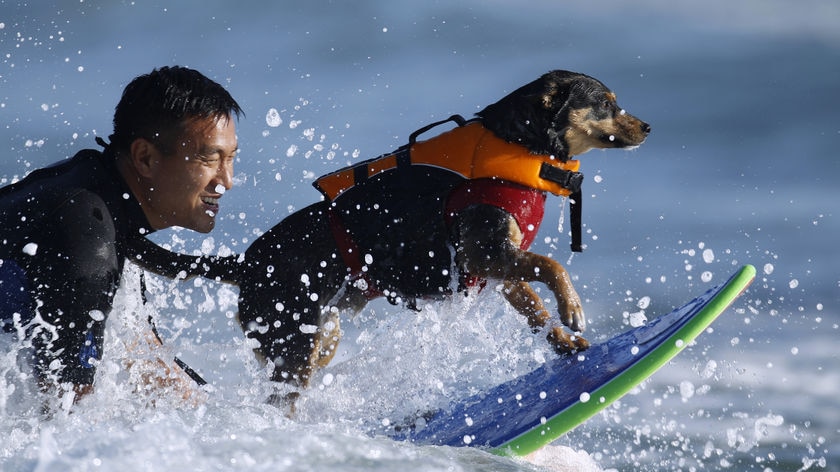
(458, 119)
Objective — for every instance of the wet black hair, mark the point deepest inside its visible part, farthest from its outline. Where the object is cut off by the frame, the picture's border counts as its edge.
(157, 106)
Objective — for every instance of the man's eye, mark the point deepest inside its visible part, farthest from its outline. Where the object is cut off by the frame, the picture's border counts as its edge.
(207, 159)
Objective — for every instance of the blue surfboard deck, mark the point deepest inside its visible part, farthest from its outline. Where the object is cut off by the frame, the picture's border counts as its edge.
(522, 415)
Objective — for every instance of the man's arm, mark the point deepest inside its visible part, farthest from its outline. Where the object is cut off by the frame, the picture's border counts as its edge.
(73, 271)
(170, 264)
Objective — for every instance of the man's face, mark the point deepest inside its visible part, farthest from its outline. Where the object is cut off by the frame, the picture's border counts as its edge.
(187, 184)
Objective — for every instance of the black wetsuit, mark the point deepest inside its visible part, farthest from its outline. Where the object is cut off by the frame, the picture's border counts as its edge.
(64, 234)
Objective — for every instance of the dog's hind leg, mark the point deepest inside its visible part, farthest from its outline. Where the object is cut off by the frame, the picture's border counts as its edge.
(291, 275)
(286, 328)
(305, 351)
(326, 341)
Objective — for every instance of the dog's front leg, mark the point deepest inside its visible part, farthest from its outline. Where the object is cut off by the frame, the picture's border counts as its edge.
(487, 246)
(523, 298)
(531, 267)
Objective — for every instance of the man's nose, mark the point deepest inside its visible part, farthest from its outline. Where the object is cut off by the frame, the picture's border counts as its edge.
(224, 175)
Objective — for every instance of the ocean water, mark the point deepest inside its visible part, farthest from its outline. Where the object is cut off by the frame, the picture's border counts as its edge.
(741, 167)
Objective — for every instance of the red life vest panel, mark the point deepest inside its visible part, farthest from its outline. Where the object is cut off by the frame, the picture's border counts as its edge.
(527, 205)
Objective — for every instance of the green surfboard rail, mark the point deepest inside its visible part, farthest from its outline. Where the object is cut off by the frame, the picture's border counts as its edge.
(608, 393)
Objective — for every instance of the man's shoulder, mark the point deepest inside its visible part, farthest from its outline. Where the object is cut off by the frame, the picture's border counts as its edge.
(44, 190)
(73, 171)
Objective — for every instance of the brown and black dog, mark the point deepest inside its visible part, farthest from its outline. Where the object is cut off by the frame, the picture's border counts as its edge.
(295, 279)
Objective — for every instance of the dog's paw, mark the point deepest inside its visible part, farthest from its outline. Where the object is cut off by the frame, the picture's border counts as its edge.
(285, 402)
(565, 343)
(572, 315)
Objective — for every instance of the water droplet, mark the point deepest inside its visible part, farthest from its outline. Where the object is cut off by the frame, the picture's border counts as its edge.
(272, 118)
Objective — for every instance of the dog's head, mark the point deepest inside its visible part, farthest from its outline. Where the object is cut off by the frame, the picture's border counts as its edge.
(564, 114)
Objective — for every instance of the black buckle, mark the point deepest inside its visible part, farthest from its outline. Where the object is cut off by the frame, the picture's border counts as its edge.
(570, 180)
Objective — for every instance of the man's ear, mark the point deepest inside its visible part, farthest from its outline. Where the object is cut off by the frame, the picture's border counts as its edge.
(144, 157)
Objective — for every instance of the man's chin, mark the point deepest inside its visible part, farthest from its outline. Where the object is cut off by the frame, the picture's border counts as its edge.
(203, 226)
(206, 228)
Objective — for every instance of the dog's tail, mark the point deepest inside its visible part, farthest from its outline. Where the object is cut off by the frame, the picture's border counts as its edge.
(156, 259)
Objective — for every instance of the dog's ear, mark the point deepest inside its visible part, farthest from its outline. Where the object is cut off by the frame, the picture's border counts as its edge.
(534, 115)
(556, 89)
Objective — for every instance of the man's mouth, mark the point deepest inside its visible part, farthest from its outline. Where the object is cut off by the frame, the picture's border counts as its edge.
(211, 204)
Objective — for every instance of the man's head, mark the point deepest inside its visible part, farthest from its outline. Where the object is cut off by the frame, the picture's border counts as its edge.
(157, 106)
(175, 141)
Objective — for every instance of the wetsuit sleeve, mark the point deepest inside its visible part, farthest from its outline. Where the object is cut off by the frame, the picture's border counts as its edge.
(156, 259)
(73, 269)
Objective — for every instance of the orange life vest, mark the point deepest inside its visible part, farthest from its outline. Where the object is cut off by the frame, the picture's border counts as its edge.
(471, 151)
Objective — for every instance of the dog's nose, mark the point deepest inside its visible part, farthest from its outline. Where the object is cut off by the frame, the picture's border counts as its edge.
(645, 128)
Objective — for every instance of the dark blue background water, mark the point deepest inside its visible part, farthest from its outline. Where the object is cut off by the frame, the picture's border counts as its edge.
(743, 98)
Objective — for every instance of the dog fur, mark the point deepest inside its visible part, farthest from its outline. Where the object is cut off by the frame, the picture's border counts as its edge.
(293, 282)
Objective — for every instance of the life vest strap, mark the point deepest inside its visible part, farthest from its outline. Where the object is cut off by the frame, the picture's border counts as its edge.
(576, 210)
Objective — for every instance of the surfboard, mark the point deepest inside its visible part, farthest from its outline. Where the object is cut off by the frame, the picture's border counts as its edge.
(522, 415)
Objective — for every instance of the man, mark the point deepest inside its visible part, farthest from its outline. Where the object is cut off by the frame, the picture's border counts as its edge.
(66, 230)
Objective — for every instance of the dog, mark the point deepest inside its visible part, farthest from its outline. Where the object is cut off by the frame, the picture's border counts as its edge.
(409, 243)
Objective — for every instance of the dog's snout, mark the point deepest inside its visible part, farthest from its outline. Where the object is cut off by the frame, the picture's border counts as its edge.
(645, 128)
